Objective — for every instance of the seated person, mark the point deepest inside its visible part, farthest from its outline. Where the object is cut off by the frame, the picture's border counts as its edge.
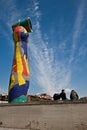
(56, 96)
(74, 95)
(63, 95)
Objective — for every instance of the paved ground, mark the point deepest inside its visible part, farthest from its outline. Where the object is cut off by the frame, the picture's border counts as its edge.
(44, 117)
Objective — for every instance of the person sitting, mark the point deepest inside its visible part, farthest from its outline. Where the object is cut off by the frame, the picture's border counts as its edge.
(74, 95)
(56, 96)
(63, 95)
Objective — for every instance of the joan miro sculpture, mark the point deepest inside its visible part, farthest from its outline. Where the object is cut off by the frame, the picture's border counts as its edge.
(20, 73)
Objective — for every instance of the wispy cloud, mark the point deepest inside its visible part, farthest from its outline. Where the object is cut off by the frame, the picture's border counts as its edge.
(77, 29)
(2, 90)
(50, 74)
(10, 15)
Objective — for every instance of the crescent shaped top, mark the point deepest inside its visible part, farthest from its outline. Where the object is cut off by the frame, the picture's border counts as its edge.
(25, 23)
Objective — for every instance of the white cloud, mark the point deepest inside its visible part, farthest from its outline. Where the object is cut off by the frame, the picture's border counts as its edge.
(36, 8)
(77, 30)
(10, 15)
(82, 51)
(3, 90)
(49, 73)
(68, 90)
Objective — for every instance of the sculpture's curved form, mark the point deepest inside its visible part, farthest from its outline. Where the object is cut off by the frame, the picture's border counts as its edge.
(20, 74)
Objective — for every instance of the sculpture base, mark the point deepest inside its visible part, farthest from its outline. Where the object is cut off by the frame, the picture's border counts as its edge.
(20, 99)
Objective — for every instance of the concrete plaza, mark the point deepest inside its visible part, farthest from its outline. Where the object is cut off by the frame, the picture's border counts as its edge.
(69, 116)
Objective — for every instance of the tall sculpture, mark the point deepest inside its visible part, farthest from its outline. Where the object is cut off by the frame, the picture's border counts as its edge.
(20, 74)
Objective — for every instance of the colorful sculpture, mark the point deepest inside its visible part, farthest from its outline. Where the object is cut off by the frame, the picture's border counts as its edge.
(20, 74)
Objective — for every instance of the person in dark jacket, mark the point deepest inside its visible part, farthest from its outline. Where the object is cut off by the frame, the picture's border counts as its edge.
(63, 95)
(56, 96)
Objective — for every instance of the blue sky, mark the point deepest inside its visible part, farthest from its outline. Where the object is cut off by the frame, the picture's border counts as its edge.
(57, 46)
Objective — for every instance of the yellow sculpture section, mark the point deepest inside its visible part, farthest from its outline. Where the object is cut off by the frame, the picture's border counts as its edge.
(19, 65)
